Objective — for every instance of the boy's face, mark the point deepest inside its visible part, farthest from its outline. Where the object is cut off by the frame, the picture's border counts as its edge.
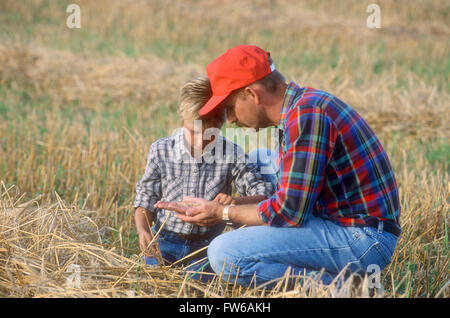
(195, 135)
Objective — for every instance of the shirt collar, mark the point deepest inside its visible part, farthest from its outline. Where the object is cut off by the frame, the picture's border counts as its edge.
(292, 91)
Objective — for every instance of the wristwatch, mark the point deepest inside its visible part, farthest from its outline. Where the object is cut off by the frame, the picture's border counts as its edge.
(225, 216)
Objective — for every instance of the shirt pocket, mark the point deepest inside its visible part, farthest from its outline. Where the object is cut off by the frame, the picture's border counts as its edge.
(218, 180)
(173, 184)
(215, 186)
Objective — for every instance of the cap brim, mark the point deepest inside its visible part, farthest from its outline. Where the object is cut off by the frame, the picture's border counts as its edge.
(212, 104)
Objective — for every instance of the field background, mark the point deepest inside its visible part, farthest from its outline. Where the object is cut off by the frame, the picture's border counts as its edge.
(80, 107)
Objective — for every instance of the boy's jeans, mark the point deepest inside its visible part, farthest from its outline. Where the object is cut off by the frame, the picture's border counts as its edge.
(269, 251)
(174, 248)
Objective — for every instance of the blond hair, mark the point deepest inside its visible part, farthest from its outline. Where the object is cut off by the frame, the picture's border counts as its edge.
(193, 96)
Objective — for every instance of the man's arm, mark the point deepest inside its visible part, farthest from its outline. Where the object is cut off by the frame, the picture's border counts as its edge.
(226, 199)
(250, 199)
(246, 214)
(207, 213)
(310, 137)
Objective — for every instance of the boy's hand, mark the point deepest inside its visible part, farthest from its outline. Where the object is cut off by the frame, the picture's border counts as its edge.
(224, 199)
(145, 238)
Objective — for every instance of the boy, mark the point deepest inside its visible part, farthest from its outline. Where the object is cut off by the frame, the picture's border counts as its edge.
(177, 166)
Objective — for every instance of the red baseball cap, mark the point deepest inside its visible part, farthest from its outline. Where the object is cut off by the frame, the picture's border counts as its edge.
(238, 67)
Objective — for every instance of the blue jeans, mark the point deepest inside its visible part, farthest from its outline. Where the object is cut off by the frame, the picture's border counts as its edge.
(174, 248)
(269, 251)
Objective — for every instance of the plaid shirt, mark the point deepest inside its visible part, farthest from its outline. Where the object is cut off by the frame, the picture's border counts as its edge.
(331, 165)
(172, 173)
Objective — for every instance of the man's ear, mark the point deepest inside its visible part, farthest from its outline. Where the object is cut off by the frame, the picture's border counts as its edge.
(253, 94)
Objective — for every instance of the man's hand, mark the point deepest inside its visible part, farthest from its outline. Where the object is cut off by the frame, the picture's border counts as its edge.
(224, 199)
(207, 213)
(179, 207)
(200, 211)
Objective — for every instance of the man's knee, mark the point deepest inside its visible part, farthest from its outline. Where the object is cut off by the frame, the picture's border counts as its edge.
(218, 253)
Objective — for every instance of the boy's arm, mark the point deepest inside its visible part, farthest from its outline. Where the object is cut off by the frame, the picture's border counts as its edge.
(249, 181)
(148, 189)
(143, 218)
(148, 192)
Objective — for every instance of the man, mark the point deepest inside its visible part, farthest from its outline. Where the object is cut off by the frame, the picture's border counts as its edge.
(336, 204)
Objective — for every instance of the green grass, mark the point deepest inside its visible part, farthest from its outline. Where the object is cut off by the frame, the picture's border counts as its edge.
(437, 154)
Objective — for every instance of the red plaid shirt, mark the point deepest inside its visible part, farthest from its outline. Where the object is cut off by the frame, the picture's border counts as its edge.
(331, 165)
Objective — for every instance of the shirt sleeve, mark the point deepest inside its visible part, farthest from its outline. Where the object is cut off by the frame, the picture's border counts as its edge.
(148, 189)
(248, 180)
(309, 138)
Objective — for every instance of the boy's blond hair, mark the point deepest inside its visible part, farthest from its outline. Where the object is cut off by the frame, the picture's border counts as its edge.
(193, 96)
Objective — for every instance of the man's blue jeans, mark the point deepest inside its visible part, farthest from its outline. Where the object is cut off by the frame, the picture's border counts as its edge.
(268, 251)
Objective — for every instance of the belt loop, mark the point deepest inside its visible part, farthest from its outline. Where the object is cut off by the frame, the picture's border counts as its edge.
(380, 226)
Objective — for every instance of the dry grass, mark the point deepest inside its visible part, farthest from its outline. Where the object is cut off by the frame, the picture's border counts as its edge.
(87, 80)
(79, 109)
(44, 245)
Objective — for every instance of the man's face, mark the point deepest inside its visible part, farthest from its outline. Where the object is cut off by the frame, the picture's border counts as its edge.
(243, 111)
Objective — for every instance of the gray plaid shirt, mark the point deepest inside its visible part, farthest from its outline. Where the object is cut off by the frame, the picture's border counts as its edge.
(172, 173)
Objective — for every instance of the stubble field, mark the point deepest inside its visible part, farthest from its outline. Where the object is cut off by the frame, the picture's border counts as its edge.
(80, 107)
